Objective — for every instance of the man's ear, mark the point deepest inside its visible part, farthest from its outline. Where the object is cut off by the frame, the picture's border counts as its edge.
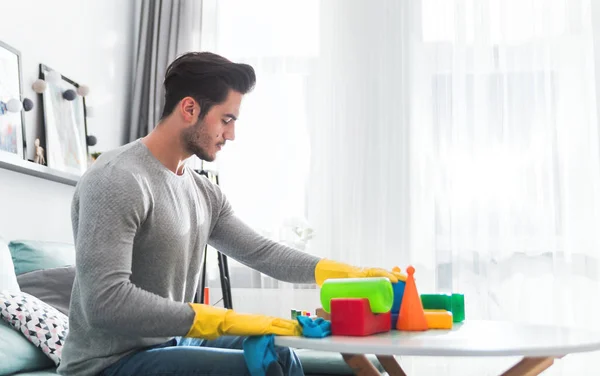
(189, 109)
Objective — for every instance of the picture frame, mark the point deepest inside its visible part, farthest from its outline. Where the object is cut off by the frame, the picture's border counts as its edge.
(65, 125)
(12, 124)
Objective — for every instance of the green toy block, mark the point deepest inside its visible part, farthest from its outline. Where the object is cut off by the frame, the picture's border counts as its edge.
(458, 307)
(454, 303)
(437, 301)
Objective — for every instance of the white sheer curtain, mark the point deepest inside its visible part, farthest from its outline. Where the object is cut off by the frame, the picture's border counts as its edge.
(505, 159)
(504, 152)
(264, 171)
(460, 136)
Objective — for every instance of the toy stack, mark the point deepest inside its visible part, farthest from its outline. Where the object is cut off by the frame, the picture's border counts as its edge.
(366, 306)
(358, 306)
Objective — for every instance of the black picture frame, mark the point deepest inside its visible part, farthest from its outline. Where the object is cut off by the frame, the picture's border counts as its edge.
(65, 126)
(12, 125)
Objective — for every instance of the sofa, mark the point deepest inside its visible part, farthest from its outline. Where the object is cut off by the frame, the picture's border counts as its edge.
(45, 271)
(18, 355)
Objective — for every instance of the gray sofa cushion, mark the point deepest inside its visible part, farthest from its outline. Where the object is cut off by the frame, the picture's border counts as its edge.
(52, 286)
(328, 363)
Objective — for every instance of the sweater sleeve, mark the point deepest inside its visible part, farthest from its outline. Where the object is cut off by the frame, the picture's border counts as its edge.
(234, 238)
(109, 207)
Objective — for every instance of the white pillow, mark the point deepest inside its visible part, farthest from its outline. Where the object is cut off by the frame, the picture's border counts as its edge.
(8, 279)
(41, 324)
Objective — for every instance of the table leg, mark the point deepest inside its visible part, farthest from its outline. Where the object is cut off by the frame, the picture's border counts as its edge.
(529, 367)
(391, 365)
(360, 364)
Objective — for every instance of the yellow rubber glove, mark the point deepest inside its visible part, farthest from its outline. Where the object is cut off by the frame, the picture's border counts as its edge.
(327, 269)
(211, 322)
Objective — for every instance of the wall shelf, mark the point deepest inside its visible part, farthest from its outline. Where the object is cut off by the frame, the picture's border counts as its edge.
(29, 168)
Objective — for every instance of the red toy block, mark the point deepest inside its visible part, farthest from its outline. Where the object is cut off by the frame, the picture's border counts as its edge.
(353, 317)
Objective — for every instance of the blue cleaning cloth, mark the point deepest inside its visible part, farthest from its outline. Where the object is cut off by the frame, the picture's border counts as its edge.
(317, 328)
(259, 353)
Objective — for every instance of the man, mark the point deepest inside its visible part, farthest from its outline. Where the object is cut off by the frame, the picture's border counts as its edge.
(141, 219)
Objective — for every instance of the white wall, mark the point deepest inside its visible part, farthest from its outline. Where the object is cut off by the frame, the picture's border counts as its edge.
(91, 43)
(595, 10)
(33, 208)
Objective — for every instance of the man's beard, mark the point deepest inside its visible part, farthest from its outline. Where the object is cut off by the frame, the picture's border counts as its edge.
(191, 141)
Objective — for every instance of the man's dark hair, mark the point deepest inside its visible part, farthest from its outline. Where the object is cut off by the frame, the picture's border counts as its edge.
(207, 78)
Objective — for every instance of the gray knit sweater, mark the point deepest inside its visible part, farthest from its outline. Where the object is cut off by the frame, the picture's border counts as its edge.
(139, 234)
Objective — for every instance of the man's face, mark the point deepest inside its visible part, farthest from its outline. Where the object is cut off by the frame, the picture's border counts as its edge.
(207, 136)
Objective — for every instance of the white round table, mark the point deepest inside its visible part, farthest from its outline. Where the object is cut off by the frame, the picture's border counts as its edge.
(538, 344)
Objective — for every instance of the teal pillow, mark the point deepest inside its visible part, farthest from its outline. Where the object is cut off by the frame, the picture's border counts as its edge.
(30, 255)
(17, 354)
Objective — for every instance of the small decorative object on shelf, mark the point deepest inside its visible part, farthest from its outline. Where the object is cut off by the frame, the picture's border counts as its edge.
(53, 77)
(14, 105)
(83, 90)
(95, 155)
(27, 104)
(91, 140)
(39, 86)
(39, 153)
(69, 95)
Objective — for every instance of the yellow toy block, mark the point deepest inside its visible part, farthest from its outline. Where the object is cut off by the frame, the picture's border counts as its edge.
(438, 319)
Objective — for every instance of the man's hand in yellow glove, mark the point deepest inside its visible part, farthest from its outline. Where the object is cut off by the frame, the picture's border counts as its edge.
(211, 322)
(327, 269)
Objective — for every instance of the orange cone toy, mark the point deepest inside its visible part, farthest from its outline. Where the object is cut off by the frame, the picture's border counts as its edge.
(412, 315)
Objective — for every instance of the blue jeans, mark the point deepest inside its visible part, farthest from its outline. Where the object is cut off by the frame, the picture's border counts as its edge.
(190, 356)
